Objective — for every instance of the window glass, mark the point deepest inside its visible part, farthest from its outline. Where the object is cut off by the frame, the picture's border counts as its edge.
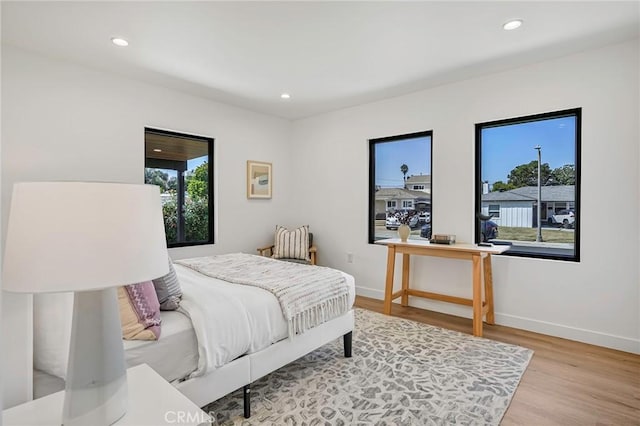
(528, 169)
(494, 210)
(398, 165)
(181, 165)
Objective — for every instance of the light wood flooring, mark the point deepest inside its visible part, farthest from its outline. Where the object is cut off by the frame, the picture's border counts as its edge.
(566, 383)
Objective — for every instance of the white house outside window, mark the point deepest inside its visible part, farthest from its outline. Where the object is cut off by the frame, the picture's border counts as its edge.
(528, 180)
(397, 166)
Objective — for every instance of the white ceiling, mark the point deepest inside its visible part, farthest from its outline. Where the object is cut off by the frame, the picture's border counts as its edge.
(328, 55)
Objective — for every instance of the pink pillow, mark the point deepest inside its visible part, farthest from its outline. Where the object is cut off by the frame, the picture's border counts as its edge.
(139, 311)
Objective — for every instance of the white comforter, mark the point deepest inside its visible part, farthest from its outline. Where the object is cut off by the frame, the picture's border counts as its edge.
(219, 319)
(231, 320)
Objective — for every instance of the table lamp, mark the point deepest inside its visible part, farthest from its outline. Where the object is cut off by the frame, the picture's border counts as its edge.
(87, 238)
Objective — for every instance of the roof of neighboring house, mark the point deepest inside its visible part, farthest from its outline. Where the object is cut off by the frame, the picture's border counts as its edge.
(530, 193)
(400, 194)
(506, 196)
(418, 179)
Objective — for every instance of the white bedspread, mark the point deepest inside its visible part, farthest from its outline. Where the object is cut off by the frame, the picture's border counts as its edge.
(229, 320)
(263, 323)
(308, 295)
(174, 356)
(219, 320)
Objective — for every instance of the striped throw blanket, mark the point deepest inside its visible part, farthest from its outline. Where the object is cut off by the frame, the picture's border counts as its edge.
(308, 295)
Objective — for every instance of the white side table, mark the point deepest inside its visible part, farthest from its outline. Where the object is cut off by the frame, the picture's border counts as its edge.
(152, 402)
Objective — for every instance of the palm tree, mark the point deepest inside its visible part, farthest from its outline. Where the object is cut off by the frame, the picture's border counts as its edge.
(404, 169)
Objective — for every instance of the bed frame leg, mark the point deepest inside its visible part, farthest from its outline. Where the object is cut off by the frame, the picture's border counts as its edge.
(246, 391)
(347, 340)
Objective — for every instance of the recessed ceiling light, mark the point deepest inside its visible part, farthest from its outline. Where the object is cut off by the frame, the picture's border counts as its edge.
(285, 96)
(512, 25)
(119, 41)
(157, 150)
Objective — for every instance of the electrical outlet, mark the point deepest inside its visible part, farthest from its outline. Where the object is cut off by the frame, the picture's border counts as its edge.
(349, 257)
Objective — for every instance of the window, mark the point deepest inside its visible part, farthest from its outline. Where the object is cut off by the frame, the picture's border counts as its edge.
(393, 162)
(531, 166)
(494, 210)
(182, 166)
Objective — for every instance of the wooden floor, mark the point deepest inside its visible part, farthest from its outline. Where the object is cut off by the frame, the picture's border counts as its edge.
(566, 383)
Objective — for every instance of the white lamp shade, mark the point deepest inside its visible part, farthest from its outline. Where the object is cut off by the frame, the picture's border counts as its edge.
(77, 236)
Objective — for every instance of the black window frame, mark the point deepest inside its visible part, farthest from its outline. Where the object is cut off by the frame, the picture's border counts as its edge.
(573, 112)
(372, 178)
(211, 205)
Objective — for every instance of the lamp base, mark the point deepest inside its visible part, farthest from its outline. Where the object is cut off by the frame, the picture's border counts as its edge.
(96, 386)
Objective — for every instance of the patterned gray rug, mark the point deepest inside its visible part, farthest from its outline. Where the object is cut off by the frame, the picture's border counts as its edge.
(402, 373)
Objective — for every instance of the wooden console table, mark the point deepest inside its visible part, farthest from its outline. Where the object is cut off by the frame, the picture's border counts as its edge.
(480, 258)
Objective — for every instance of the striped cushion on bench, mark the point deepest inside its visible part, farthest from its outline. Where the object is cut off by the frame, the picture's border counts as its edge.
(292, 244)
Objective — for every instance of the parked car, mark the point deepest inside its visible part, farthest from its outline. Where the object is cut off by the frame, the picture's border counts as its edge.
(565, 218)
(393, 222)
(489, 230)
(425, 231)
(425, 217)
(413, 221)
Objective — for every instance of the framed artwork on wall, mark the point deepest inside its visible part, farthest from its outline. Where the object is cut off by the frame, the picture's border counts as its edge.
(258, 179)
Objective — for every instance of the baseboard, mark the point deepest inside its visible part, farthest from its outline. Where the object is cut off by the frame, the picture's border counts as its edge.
(597, 338)
(543, 327)
(373, 293)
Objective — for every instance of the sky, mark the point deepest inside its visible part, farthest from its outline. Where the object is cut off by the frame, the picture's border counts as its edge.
(192, 164)
(415, 153)
(505, 147)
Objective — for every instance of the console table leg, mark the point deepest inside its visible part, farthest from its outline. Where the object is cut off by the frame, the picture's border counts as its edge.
(488, 289)
(477, 295)
(406, 265)
(388, 291)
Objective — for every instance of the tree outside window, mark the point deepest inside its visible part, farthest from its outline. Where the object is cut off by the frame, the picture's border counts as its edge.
(528, 184)
(181, 165)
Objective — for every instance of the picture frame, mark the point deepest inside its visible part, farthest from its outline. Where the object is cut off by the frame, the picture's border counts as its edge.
(259, 179)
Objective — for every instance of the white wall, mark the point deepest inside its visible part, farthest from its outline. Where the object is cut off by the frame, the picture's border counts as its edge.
(1, 245)
(65, 122)
(62, 121)
(595, 300)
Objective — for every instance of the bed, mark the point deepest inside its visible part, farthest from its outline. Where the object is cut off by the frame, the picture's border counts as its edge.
(224, 336)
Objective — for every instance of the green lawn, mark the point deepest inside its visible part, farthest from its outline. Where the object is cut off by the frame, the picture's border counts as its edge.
(529, 234)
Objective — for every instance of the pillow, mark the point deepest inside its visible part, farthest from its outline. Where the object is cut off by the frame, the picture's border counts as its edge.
(139, 312)
(292, 244)
(168, 290)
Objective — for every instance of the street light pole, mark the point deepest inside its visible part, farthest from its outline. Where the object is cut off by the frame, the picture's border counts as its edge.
(539, 234)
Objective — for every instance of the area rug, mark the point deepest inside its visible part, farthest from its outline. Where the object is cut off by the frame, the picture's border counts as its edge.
(402, 373)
